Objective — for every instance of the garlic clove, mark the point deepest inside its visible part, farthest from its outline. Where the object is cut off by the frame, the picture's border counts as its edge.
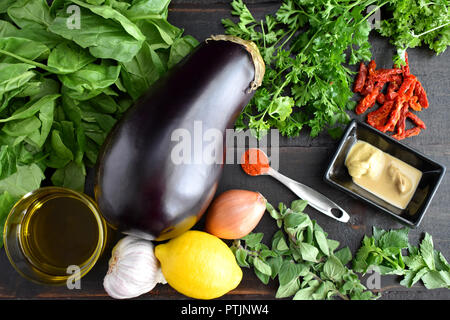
(133, 269)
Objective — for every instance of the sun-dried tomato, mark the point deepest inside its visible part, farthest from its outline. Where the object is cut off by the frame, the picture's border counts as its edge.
(395, 114)
(408, 133)
(361, 78)
(417, 121)
(401, 125)
(398, 137)
(410, 92)
(369, 100)
(391, 92)
(404, 91)
(385, 75)
(414, 105)
(419, 91)
(378, 118)
(381, 98)
(372, 66)
(407, 87)
(412, 132)
(370, 83)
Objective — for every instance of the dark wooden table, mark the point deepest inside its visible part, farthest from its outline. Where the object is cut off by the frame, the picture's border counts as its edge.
(305, 160)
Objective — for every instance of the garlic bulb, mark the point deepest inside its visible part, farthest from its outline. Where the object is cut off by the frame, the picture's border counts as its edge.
(133, 269)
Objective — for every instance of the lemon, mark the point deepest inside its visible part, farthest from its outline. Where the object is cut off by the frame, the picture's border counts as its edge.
(199, 265)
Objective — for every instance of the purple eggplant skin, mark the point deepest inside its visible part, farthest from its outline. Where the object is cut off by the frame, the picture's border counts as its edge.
(138, 187)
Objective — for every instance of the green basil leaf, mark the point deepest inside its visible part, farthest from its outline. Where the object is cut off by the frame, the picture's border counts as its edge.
(22, 127)
(290, 270)
(92, 78)
(105, 38)
(142, 71)
(8, 161)
(180, 48)
(68, 57)
(159, 32)
(144, 9)
(58, 146)
(31, 108)
(29, 13)
(71, 176)
(6, 203)
(109, 13)
(26, 179)
(25, 48)
(14, 75)
(39, 137)
(282, 245)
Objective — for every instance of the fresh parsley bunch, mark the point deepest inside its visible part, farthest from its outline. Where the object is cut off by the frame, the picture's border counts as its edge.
(305, 45)
(301, 256)
(413, 23)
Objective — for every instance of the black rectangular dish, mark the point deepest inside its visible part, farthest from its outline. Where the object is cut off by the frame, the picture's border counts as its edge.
(432, 172)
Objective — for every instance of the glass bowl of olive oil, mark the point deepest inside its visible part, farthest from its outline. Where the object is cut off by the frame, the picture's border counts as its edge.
(53, 235)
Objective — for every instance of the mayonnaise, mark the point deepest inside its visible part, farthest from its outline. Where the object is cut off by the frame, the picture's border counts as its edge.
(382, 174)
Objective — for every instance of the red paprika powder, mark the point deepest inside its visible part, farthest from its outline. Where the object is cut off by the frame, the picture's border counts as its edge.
(254, 162)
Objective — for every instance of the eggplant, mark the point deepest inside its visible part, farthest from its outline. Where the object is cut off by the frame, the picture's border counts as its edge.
(140, 188)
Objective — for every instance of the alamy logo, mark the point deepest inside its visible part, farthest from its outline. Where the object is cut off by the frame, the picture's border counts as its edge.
(374, 280)
(200, 145)
(74, 20)
(73, 281)
(375, 17)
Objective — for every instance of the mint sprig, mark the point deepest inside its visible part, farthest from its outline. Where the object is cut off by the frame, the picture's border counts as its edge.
(383, 252)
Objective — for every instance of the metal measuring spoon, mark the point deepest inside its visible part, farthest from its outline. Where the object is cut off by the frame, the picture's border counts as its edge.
(315, 199)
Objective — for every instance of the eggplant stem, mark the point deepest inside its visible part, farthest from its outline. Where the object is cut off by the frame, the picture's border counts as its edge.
(258, 62)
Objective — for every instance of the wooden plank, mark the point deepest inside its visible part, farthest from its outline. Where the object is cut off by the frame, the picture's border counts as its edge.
(303, 159)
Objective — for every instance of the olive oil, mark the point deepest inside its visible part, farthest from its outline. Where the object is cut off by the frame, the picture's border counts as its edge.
(59, 232)
(51, 231)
